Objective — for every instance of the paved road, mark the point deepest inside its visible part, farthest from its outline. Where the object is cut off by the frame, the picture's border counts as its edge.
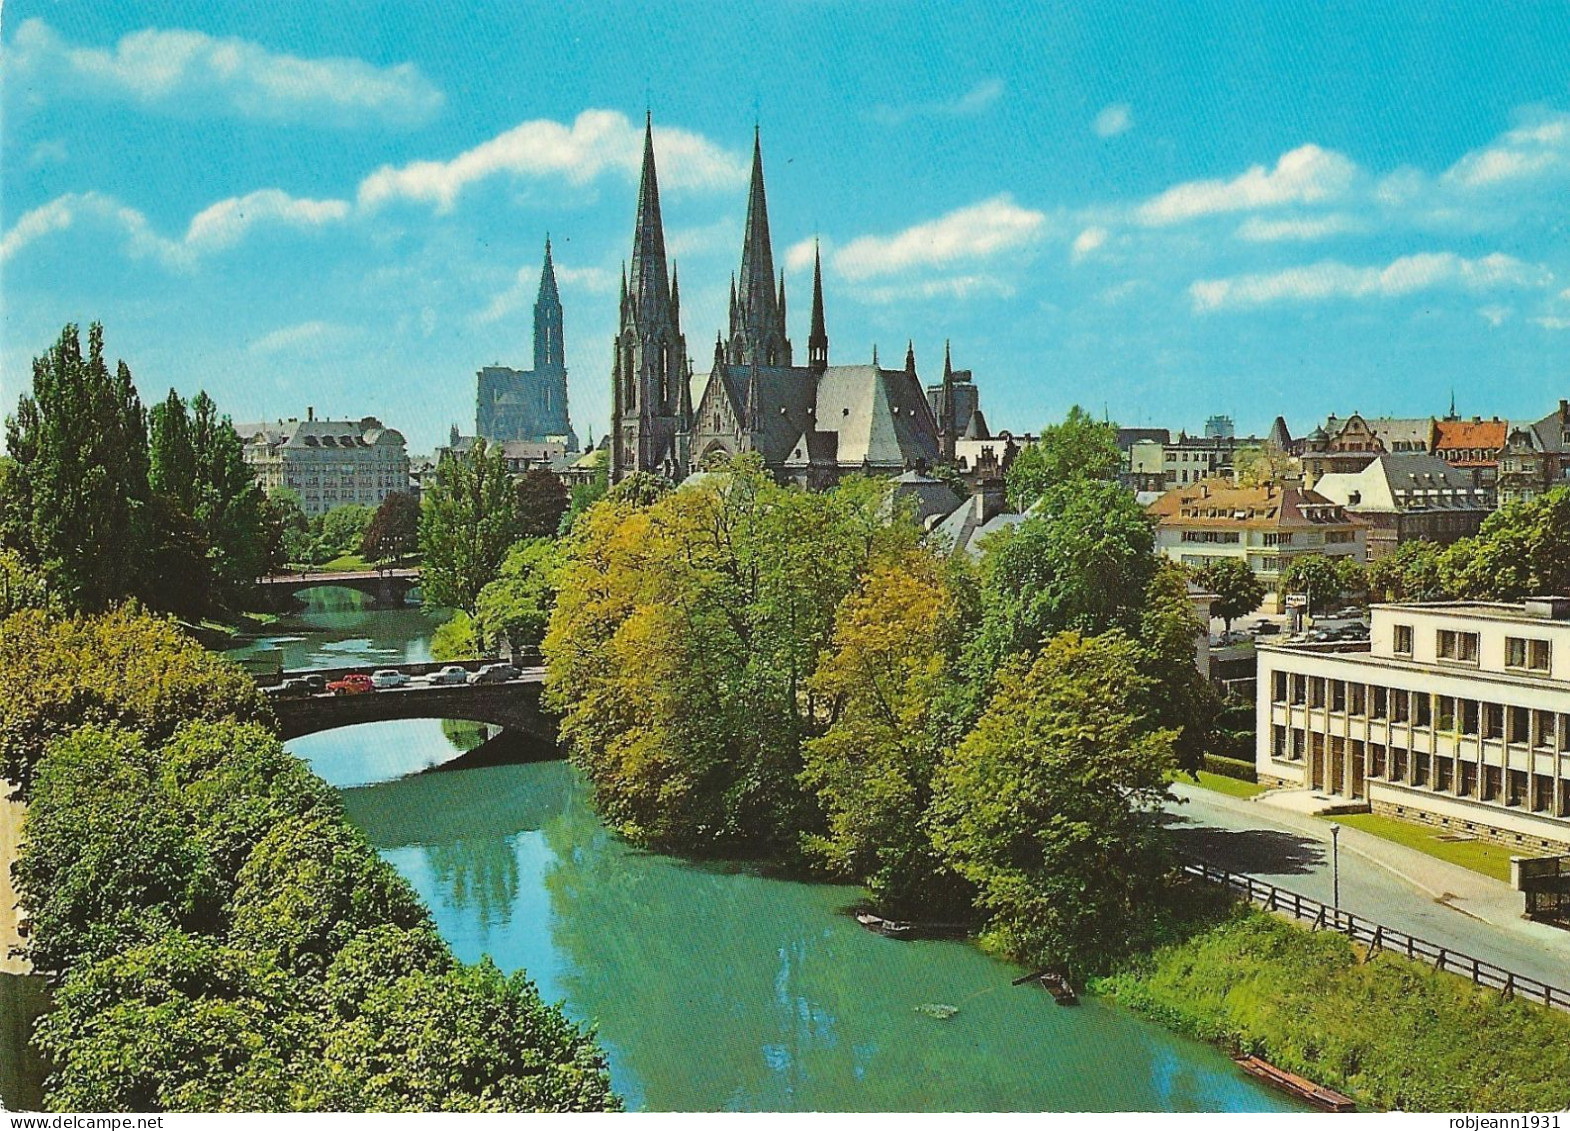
(1384, 882)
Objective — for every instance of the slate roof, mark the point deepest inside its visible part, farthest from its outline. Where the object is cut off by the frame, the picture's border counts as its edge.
(363, 433)
(1221, 503)
(1404, 481)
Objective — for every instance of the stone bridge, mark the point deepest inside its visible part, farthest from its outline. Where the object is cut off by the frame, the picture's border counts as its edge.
(514, 705)
(388, 588)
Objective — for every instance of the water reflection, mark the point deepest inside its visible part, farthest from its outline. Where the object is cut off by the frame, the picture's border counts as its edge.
(340, 627)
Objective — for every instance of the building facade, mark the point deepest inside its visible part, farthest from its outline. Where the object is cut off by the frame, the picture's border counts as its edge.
(809, 423)
(1536, 457)
(1265, 526)
(1409, 496)
(1456, 714)
(531, 404)
(328, 463)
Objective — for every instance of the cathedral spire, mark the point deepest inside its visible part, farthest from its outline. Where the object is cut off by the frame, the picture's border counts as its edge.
(649, 282)
(760, 320)
(910, 357)
(818, 338)
(549, 350)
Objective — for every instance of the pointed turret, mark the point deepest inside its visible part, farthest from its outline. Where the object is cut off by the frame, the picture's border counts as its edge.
(550, 352)
(758, 322)
(675, 295)
(910, 357)
(948, 427)
(782, 302)
(818, 337)
(649, 282)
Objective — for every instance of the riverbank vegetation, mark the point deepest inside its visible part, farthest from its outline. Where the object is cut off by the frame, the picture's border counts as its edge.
(222, 938)
(750, 669)
(1389, 1032)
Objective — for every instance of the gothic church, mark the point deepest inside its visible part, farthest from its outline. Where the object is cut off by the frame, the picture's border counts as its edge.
(811, 424)
(530, 404)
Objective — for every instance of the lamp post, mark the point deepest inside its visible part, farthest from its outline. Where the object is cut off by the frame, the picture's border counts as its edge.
(1335, 867)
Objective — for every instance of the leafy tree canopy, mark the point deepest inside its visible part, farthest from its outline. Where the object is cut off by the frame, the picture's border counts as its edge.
(1081, 447)
(467, 524)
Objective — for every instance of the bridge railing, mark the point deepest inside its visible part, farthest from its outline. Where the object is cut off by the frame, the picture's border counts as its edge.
(526, 658)
(1378, 937)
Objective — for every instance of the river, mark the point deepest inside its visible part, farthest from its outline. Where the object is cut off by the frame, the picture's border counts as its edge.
(712, 987)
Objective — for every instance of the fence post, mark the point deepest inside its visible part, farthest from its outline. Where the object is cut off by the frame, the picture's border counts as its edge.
(1439, 964)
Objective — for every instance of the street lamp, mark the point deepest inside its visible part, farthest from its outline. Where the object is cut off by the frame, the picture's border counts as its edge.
(1335, 867)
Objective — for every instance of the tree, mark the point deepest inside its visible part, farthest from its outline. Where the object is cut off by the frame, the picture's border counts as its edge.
(585, 495)
(1081, 562)
(1257, 466)
(1522, 550)
(542, 500)
(79, 478)
(342, 529)
(124, 668)
(1316, 577)
(888, 688)
(467, 524)
(1179, 696)
(1079, 448)
(1051, 806)
(288, 531)
(395, 528)
(515, 609)
(1412, 573)
(1237, 588)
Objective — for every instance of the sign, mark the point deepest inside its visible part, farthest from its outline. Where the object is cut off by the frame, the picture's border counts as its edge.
(1297, 601)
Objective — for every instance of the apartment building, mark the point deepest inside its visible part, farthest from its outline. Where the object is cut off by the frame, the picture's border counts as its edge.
(327, 462)
(1266, 526)
(1456, 714)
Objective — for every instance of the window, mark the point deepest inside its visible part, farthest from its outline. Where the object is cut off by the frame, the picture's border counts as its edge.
(1458, 646)
(1517, 722)
(1278, 683)
(1332, 537)
(1380, 708)
(1529, 654)
(1400, 706)
(1403, 644)
(1493, 720)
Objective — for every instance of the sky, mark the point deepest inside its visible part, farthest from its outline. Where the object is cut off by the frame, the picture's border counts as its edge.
(1159, 212)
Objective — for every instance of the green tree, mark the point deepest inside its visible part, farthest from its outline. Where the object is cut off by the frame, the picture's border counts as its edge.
(516, 608)
(1081, 447)
(21, 586)
(342, 529)
(1412, 573)
(456, 638)
(1178, 696)
(467, 524)
(291, 529)
(542, 501)
(1316, 577)
(1522, 550)
(1238, 589)
(394, 530)
(888, 687)
(1051, 806)
(125, 668)
(78, 482)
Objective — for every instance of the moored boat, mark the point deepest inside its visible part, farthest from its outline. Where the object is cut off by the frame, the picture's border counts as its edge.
(1058, 986)
(1295, 1085)
(890, 928)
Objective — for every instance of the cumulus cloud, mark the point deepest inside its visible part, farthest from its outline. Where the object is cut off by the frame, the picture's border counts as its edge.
(1113, 120)
(597, 142)
(1536, 148)
(974, 101)
(1332, 280)
(798, 257)
(521, 292)
(216, 228)
(1306, 175)
(953, 287)
(1257, 229)
(1088, 241)
(974, 232)
(189, 72)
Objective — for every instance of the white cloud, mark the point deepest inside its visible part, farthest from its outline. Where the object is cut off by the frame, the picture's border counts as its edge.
(189, 72)
(1495, 314)
(953, 287)
(216, 228)
(798, 257)
(1113, 120)
(225, 224)
(974, 232)
(1088, 241)
(597, 142)
(1257, 229)
(51, 152)
(1332, 280)
(1552, 322)
(974, 101)
(307, 338)
(1306, 175)
(1537, 147)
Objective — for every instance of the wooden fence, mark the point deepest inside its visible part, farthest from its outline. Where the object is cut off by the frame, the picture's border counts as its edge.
(1378, 937)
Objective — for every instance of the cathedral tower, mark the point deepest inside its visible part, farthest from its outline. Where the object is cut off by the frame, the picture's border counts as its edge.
(757, 317)
(550, 352)
(651, 404)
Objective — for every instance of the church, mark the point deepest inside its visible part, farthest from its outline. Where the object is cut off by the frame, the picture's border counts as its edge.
(810, 423)
(530, 404)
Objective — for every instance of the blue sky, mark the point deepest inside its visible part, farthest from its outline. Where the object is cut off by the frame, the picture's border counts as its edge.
(1253, 209)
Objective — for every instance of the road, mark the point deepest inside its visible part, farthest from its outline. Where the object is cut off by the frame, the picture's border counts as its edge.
(1383, 882)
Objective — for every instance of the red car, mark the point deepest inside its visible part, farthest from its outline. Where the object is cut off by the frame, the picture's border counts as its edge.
(357, 684)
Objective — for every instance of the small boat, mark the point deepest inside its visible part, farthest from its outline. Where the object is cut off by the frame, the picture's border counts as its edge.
(1058, 986)
(889, 928)
(1294, 1085)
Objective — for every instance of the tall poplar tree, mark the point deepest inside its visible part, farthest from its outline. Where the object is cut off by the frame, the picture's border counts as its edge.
(468, 522)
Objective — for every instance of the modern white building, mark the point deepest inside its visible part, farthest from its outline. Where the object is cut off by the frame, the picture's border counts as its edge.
(1456, 714)
(328, 462)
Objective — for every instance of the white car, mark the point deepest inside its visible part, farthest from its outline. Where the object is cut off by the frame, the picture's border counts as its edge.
(388, 677)
(452, 673)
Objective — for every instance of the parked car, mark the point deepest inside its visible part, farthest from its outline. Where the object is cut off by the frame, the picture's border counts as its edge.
(388, 677)
(288, 689)
(452, 673)
(1265, 628)
(495, 673)
(313, 683)
(356, 684)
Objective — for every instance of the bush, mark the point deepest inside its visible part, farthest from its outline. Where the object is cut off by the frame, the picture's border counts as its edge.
(1231, 767)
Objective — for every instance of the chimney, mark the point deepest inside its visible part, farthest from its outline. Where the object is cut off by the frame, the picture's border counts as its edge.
(1564, 410)
(310, 412)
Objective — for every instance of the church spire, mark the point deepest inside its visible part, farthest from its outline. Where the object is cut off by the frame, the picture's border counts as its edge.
(910, 357)
(818, 338)
(549, 350)
(650, 284)
(760, 319)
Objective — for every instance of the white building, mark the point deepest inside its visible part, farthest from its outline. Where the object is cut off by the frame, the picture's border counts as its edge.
(328, 463)
(1455, 713)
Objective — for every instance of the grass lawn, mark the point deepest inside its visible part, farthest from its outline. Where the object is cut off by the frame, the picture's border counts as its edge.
(345, 562)
(1478, 855)
(1222, 784)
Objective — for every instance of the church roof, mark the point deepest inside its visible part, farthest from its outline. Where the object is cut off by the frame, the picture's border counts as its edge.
(976, 429)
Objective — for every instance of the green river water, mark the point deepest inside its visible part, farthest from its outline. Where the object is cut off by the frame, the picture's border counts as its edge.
(712, 987)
